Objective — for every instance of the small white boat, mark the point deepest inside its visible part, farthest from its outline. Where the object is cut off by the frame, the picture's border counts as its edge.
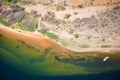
(106, 58)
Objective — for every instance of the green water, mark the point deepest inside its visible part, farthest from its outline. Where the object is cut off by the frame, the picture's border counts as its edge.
(32, 60)
(27, 58)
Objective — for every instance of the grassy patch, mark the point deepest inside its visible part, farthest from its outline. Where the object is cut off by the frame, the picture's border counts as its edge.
(50, 35)
(105, 46)
(76, 35)
(84, 46)
(59, 8)
(28, 29)
(4, 22)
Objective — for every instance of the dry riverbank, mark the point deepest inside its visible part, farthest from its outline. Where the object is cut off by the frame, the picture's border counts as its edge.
(37, 39)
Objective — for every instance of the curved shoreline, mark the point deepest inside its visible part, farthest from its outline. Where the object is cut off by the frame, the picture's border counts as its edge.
(39, 35)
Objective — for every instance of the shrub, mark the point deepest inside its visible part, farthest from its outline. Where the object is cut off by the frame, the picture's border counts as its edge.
(116, 7)
(4, 22)
(80, 6)
(85, 46)
(105, 46)
(75, 13)
(67, 16)
(19, 16)
(51, 14)
(13, 1)
(29, 25)
(0, 4)
(37, 15)
(50, 35)
(5, 13)
(8, 0)
(76, 35)
(59, 8)
(33, 12)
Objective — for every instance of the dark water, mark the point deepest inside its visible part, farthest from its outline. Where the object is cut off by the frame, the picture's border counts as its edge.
(9, 73)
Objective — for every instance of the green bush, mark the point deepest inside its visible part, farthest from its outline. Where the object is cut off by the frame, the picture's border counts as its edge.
(76, 35)
(105, 46)
(4, 22)
(59, 8)
(84, 46)
(50, 35)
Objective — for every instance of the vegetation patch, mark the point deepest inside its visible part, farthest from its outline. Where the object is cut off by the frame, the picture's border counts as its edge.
(76, 35)
(4, 22)
(67, 16)
(116, 7)
(105, 46)
(50, 35)
(29, 25)
(84, 46)
(59, 8)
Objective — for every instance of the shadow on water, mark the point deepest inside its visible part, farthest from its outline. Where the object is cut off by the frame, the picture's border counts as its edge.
(8, 73)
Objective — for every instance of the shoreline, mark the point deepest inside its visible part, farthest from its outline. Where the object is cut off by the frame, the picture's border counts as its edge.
(39, 35)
